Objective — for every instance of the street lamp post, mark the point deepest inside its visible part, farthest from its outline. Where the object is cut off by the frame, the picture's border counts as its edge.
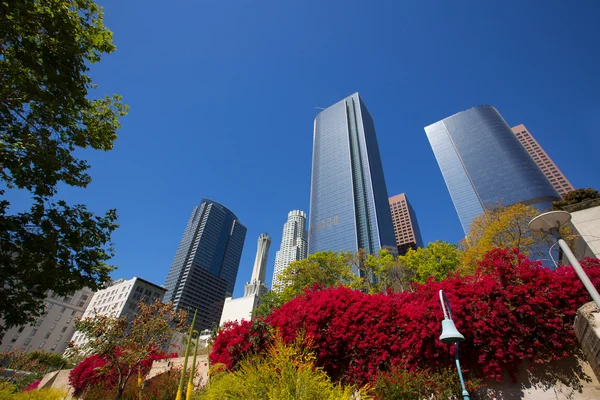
(451, 335)
(550, 223)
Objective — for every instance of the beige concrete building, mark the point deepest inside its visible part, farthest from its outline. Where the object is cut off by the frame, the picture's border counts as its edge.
(548, 167)
(406, 227)
(120, 299)
(53, 330)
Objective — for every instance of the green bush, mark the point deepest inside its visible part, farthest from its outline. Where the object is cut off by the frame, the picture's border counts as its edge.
(400, 384)
(284, 372)
(9, 391)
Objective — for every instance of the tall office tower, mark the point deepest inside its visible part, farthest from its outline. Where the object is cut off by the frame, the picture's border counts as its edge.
(257, 282)
(206, 263)
(52, 330)
(349, 207)
(554, 175)
(406, 227)
(484, 164)
(293, 244)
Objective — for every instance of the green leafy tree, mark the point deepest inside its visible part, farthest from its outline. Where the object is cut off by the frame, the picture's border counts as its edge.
(576, 197)
(47, 113)
(126, 345)
(270, 301)
(325, 268)
(375, 270)
(436, 260)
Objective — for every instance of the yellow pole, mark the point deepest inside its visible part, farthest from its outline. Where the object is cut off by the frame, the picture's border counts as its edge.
(139, 383)
(187, 353)
(190, 387)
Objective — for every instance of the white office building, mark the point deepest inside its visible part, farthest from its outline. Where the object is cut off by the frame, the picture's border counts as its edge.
(53, 329)
(293, 244)
(120, 299)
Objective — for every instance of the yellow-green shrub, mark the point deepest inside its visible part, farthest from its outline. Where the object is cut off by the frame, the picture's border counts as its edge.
(42, 394)
(284, 372)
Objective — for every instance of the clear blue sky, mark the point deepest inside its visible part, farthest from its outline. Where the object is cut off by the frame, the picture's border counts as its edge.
(223, 97)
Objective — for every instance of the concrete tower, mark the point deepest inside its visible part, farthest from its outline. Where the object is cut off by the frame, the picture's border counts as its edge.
(257, 282)
(293, 244)
(240, 309)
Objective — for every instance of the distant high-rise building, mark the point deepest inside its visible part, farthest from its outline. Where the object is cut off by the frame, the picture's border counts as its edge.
(554, 175)
(484, 164)
(120, 299)
(293, 244)
(203, 272)
(241, 308)
(52, 330)
(406, 227)
(349, 207)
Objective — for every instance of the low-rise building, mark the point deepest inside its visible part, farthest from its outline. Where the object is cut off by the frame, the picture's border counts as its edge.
(52, 330)
(120, 299)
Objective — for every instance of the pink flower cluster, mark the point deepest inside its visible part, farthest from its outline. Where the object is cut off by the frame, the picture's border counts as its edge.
(511, 310)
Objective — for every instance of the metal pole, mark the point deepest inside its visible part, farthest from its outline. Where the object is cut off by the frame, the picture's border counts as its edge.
(465, 394)
(577, 267)
(448, 315)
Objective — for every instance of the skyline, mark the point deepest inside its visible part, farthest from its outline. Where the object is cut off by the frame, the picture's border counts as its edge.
(234, 89)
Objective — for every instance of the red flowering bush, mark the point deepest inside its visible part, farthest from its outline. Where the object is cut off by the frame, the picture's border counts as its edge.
(236, 340)
(511, 310)
(32, 386)
(87, 373)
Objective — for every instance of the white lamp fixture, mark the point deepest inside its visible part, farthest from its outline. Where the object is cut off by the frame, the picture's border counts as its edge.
(550, 223)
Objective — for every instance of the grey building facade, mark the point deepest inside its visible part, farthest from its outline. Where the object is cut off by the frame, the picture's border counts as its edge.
(484, 164)
(205, 267)
(52, 330)
(349, 207)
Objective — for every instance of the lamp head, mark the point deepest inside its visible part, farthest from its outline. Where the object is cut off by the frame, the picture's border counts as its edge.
(449, 332)
(546, 222)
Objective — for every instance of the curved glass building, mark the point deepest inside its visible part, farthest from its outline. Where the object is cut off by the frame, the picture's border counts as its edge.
(485, 164)
(349, 207)
(205, 266)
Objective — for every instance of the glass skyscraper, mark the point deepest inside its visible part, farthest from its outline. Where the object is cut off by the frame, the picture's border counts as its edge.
(484, 164)
(203, 272)
(349, 207)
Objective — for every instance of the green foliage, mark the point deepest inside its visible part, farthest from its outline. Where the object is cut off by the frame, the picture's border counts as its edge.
(46, 115)
(576, 197)
(436, 260)
(374, 270)
(285, 372)
(36, 364)
(400, 384)
(9, 391)
(325, 268)
(270, 301)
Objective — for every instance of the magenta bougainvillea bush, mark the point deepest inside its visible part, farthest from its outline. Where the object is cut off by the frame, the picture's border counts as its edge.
(86, 373)
(511, 310)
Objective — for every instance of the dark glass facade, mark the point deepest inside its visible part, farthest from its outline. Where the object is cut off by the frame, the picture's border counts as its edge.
(484, 164)
(349, 206)
(205, 267)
